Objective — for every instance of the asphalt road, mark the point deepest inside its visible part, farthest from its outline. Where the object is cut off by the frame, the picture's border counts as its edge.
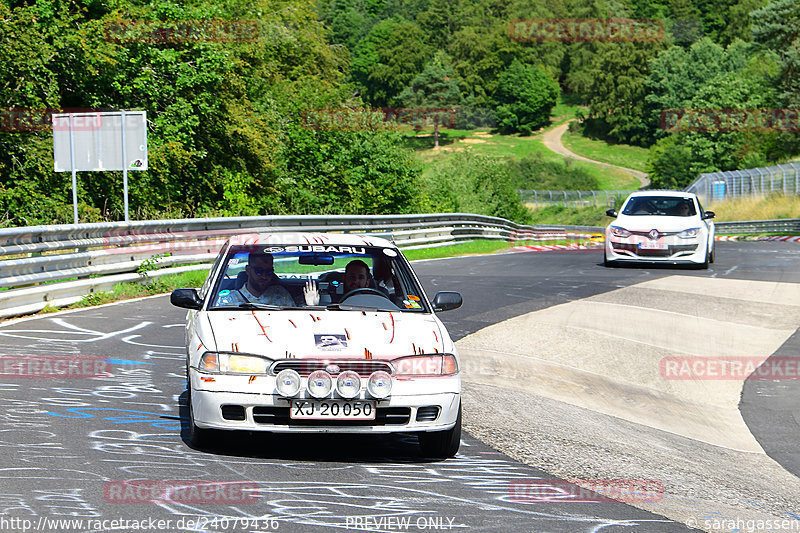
(69, 443)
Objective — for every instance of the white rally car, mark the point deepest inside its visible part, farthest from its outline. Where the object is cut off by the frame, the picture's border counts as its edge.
(278, 341)
(660, 226)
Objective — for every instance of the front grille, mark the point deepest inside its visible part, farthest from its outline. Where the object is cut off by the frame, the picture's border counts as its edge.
(384, 416)
(233, 412)
(660, 233)
(306, 366)
(669, 251)
(429, 413)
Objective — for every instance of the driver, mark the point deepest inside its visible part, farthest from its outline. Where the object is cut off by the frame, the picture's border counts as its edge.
(356, 276)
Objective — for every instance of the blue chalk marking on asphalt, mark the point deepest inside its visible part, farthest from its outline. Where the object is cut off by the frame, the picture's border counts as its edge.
(126, 362)
(129, 416)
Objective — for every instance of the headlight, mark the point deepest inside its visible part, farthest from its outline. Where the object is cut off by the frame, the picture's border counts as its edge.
(319, 384)
(426, 365)
(617, 231)
(287, 382)
(689, 233)
(234, 363)
(348, 384)
(380, 384)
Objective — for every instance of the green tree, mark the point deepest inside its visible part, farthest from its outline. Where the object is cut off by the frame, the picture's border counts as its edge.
(387, 59)
(775, 27)
(526, 95)
(669, 164)
(435, 87)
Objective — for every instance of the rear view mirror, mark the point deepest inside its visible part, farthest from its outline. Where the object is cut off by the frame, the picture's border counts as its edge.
(316, 259)
(446, 300)
(186, 298)
(611, 213)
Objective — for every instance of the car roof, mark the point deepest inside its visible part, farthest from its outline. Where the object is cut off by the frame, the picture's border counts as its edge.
(304, 238)
(664, 192)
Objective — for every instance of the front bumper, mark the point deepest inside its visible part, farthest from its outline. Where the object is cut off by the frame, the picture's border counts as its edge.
(673, 250)
(410, 407)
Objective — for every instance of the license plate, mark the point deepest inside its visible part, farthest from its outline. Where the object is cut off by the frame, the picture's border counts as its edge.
(332, 410)
(657, 244)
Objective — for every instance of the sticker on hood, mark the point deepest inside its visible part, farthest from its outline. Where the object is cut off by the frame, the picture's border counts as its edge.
(330, 341)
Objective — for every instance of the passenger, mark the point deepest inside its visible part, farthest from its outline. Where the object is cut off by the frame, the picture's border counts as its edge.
(356, 276)
(262, 286)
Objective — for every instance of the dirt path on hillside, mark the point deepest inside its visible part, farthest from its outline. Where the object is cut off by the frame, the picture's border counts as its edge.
(552, 141)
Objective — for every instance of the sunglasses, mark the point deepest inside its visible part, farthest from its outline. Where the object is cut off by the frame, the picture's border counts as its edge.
(262, 271)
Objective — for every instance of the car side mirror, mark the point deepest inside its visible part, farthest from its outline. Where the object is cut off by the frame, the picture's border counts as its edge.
(611, 213)
(708, 214)
(446, 301)
(186, 298)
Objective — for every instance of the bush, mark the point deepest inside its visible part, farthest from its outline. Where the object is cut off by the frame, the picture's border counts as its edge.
(525, 95)
(475, 184)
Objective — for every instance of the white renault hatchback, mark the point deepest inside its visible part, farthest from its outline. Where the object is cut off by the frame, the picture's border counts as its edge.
(310, 332)
(660, 227)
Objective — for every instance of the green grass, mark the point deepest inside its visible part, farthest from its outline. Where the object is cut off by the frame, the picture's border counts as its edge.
(570, 216)
(482, 142)
(622, 155)
(466, 248)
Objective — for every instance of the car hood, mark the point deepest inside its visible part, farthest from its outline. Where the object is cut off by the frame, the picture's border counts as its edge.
(659, 222)
(328, 334)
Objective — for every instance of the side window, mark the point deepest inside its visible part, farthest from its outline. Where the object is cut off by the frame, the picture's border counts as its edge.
(207, 284)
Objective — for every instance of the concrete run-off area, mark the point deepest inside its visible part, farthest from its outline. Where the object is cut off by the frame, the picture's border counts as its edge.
(597, 402)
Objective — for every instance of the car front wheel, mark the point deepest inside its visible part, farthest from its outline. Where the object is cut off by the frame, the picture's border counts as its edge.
(198, 437)
(442, 444)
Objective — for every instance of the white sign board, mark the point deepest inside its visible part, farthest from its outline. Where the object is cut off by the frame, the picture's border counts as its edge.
(96, 140)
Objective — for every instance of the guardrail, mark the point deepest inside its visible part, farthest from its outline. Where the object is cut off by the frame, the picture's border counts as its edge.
(753, 227)
(58, 265)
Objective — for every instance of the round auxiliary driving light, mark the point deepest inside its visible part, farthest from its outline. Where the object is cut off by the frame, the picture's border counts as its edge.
(380, 384)
(348, 384)
(319, 384)
(287, 382)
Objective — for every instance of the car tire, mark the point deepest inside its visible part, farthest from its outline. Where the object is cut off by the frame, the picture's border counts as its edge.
(198, 437)
(606, 262)
(712, 255)
(704, 264)
(442, 444)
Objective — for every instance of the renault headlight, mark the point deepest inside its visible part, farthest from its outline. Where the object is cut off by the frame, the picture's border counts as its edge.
(618, 231)
(690, 233)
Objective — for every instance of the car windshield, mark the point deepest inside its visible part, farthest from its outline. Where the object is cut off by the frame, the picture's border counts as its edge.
(342, 277)
(675, 206)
